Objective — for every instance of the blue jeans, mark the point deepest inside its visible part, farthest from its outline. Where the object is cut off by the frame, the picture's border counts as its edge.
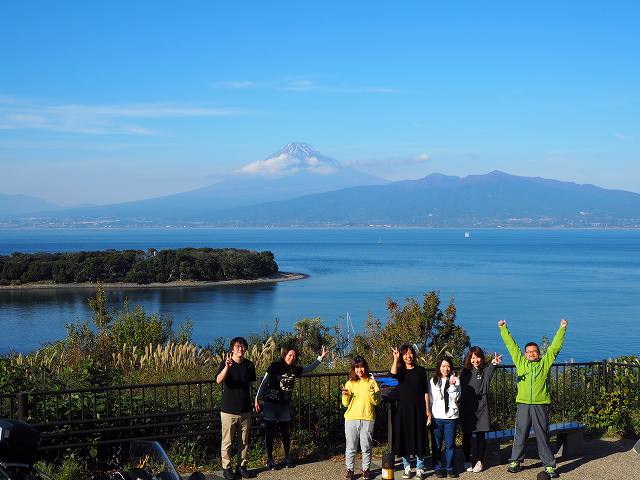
(444, 430)
(419, 461)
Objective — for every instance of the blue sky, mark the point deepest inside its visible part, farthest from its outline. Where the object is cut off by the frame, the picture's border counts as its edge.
(111, 101)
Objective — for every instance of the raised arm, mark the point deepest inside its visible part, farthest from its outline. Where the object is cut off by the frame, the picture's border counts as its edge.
(224, 371)
(510, 343)
(556, 345)
(490, 369)
(313, 365)
(396, 360)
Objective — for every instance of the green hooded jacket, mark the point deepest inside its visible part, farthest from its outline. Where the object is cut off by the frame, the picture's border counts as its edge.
(533, 377)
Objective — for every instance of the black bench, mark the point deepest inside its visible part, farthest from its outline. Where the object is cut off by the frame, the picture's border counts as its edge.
(569, 440)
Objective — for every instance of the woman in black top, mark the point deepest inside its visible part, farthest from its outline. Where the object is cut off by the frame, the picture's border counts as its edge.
(409, 432)
(275, 394)
(474, 407)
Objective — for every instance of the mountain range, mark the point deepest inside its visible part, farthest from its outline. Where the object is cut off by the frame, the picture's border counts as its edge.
(298, 186)
(11, 205)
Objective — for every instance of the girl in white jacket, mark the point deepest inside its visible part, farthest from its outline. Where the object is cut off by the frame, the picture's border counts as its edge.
(444, 393)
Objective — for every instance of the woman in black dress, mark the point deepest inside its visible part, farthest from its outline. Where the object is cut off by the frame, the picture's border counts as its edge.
(409, 432)
(474, 409)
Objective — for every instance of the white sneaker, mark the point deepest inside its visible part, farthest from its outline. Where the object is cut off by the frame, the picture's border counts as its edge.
(477, 468)
(407, 472)
(421, 474)
(468, 467)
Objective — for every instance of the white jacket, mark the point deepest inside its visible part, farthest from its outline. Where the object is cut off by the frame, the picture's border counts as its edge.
(437, 399)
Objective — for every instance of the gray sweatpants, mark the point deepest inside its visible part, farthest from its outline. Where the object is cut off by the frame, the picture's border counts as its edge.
(526, 416)
(355, 430)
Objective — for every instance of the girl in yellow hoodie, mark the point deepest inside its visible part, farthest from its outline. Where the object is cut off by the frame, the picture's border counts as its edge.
(360, 395)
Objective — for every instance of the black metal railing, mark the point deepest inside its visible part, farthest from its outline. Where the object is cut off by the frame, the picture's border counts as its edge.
(105, 416)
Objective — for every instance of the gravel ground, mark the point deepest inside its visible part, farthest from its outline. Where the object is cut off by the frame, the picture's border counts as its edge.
(603, 460)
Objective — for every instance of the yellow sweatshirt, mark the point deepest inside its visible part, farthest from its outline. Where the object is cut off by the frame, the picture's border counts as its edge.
(361, 400)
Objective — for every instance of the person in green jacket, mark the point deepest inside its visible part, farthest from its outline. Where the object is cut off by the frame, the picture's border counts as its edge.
(533, 396)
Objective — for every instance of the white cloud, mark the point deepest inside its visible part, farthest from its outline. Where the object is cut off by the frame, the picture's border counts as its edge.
(309, 85)
(234, 84)
(17, 114)
(302, 85)
(285, 164)
(272, 166)
(423, 157)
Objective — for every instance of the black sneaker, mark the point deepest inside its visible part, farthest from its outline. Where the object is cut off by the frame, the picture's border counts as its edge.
(243, 472)
(270, 465)
(228, 474)
(441, 474)
(452, 475)
(514, 467)
(289, 463)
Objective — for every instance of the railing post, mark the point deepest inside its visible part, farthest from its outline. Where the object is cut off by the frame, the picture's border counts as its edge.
(389, 427)
(22, 402)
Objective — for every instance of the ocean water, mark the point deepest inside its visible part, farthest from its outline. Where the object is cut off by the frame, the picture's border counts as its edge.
(531, 278)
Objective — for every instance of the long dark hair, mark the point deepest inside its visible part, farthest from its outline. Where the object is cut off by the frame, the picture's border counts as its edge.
(441, 360)
(478, 352)
(358, 361)
(403, 349)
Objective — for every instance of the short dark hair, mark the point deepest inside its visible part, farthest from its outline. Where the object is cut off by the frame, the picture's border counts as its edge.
(358, 361)
(240, 340)
(532, 344)
(478, 352)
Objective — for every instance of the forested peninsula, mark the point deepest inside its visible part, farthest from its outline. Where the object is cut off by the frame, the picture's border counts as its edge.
(138, 267)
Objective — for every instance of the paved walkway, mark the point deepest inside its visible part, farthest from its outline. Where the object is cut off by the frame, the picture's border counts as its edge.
(603, 460)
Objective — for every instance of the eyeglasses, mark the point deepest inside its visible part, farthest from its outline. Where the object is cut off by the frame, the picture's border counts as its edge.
(239, 347)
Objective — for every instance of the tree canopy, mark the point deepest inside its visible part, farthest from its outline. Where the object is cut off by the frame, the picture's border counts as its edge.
(136, 266)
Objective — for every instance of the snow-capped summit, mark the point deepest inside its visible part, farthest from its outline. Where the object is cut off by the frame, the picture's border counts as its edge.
(293, 158)
(297, 149)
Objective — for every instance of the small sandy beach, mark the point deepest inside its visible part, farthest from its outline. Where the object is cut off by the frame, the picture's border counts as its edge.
(277, 277)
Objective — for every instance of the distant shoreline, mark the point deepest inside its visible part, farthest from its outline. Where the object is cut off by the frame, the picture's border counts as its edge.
(276, 277)
(308, 227)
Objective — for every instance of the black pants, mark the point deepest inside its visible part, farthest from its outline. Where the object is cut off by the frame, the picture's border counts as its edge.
(481, 446)
(269, 434)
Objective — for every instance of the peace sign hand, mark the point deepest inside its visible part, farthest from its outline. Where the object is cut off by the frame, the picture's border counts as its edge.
(229, 361)
(396, 353)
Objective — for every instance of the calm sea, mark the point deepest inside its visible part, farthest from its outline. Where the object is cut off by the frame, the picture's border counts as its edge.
(532, 278)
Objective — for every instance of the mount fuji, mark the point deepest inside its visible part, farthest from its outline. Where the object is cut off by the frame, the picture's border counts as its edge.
(295, 170)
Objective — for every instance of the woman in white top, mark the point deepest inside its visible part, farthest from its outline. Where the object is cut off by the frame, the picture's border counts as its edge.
(444, 393)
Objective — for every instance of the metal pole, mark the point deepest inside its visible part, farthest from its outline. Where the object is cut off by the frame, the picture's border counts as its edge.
(22, 402)
(389, 427)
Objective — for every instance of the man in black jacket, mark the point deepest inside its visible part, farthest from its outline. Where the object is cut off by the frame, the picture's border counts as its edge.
(236, 374)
